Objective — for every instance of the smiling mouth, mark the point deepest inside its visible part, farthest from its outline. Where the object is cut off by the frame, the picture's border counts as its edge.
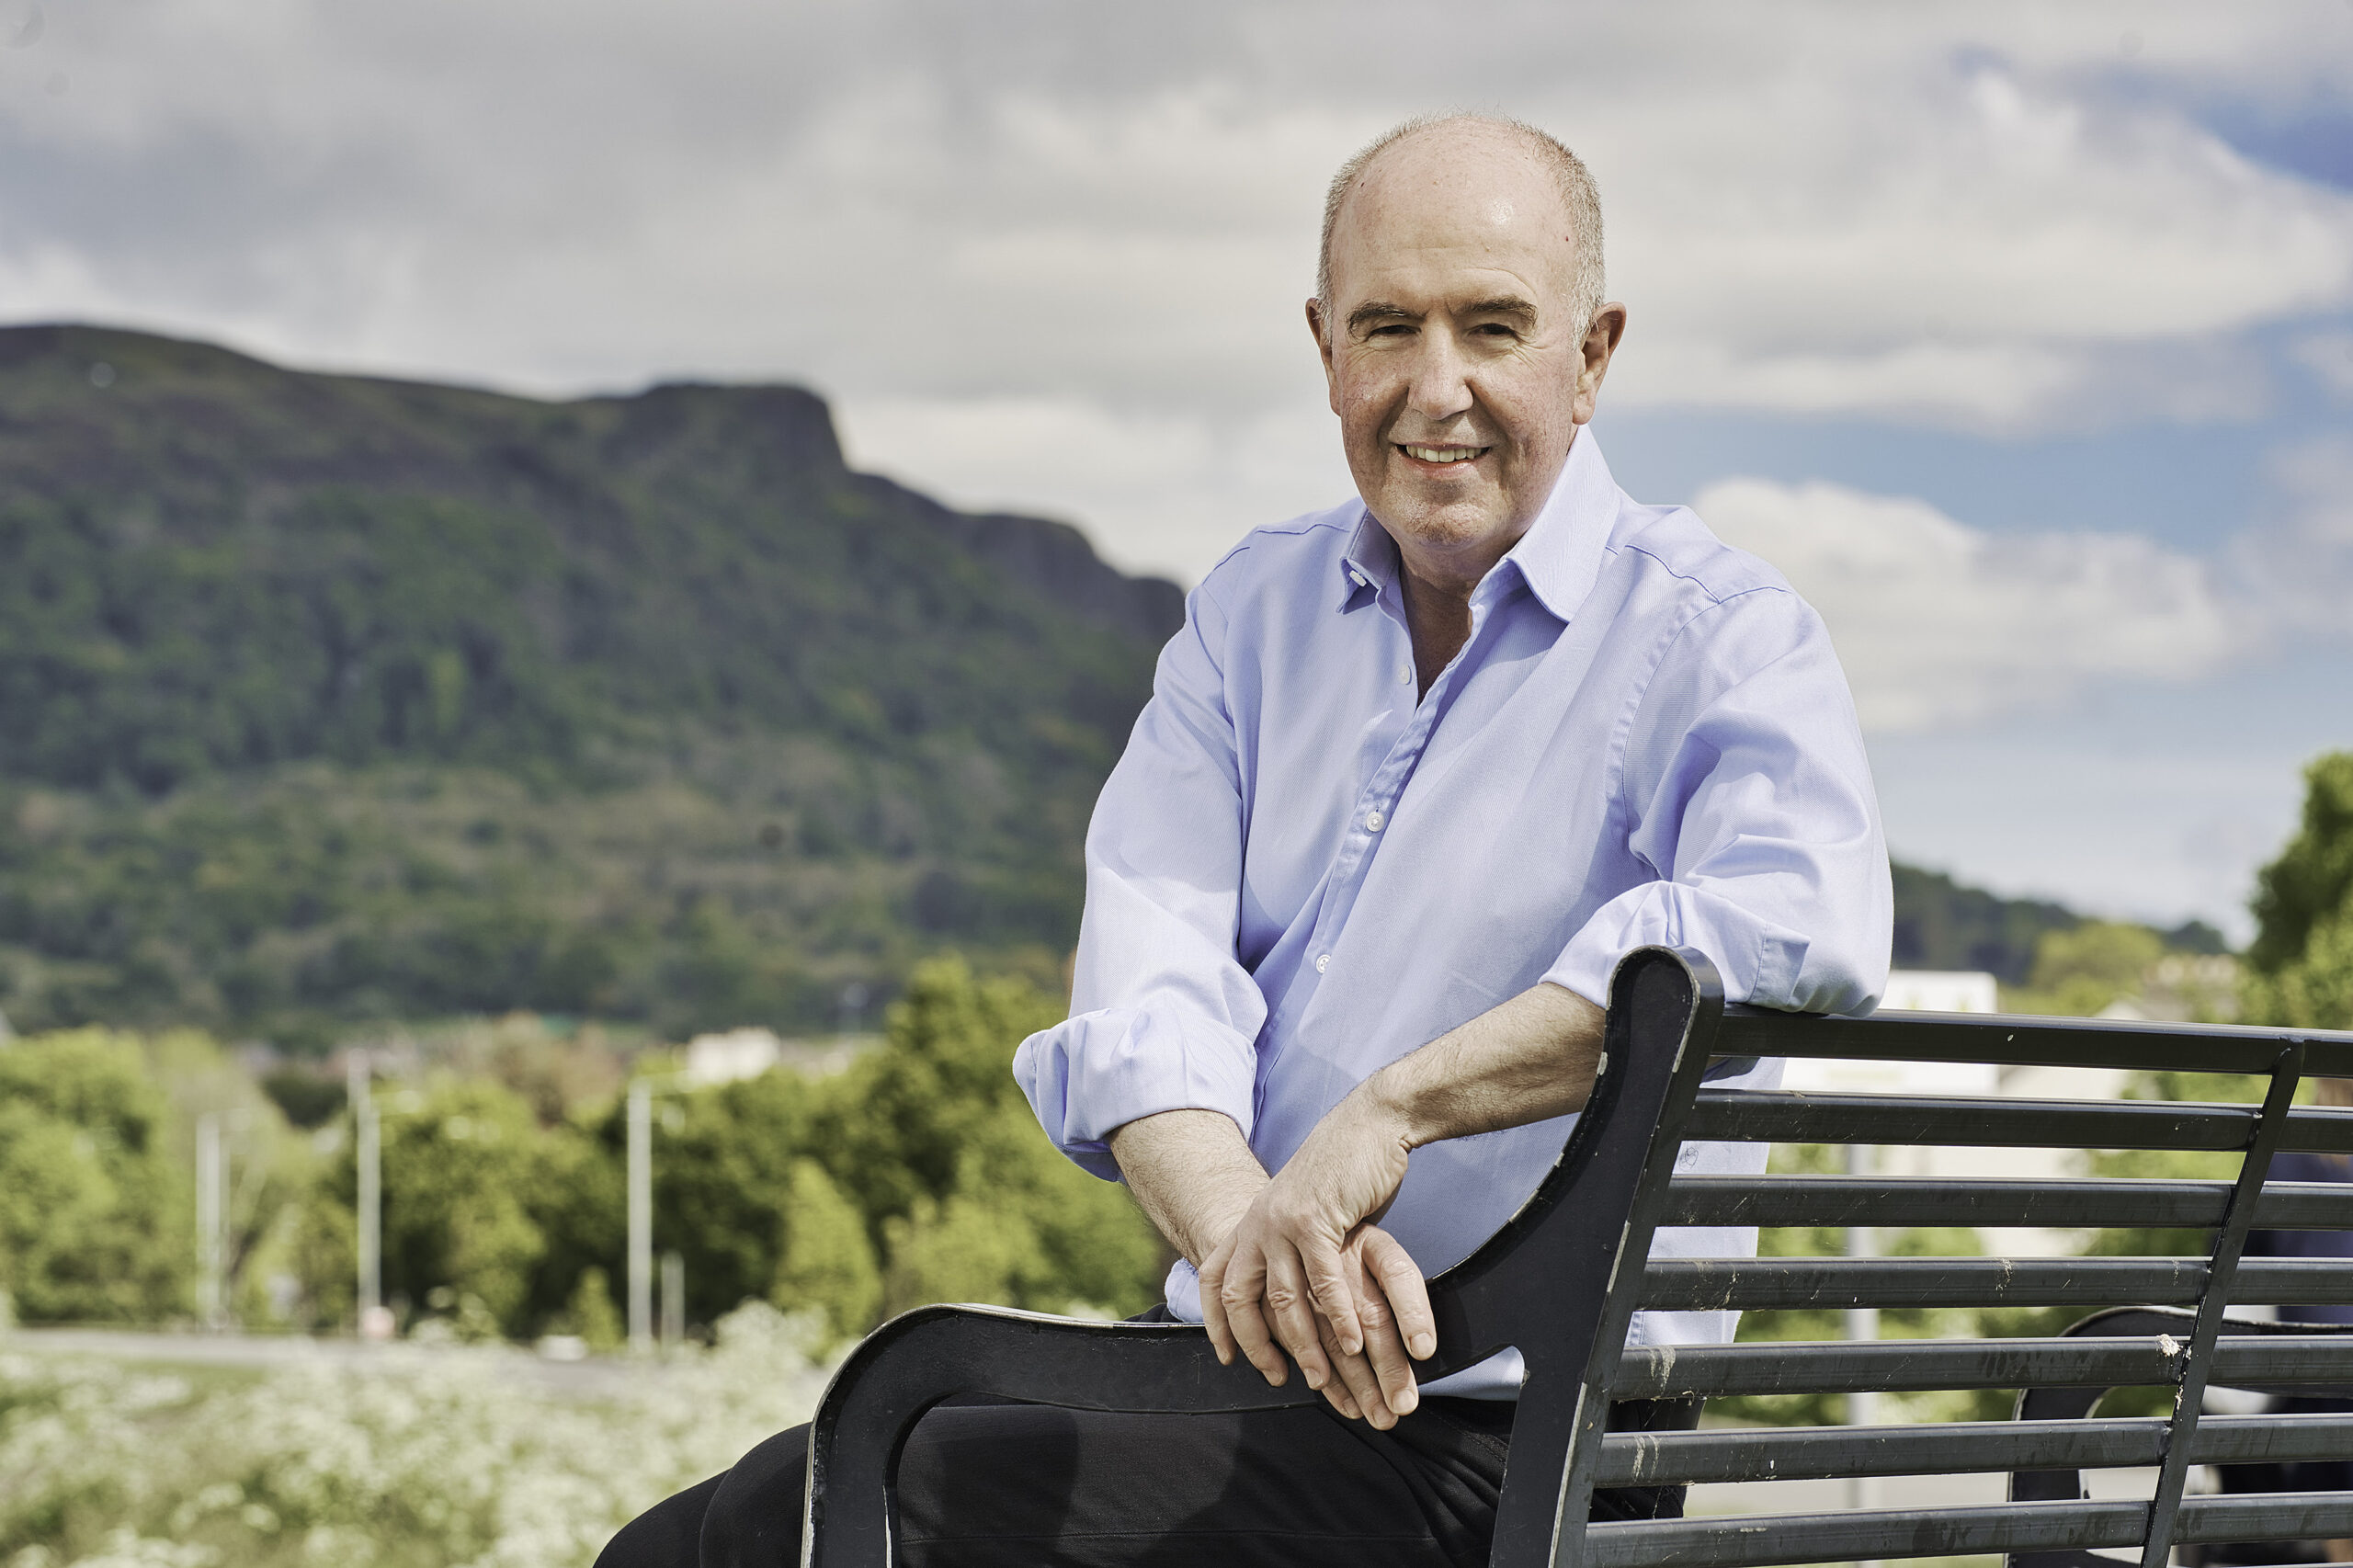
(1442, 454)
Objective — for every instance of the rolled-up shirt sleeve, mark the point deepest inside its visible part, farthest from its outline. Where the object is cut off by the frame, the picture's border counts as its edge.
(1162, 1016)
(1752, 799)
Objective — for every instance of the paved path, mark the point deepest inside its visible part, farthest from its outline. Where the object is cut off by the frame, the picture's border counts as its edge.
(589, 1378)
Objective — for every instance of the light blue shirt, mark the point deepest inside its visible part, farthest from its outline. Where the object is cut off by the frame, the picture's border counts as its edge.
(1303, 870)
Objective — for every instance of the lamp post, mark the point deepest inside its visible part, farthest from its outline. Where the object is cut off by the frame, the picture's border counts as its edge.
(641, 1214)
(375, 1323)
(211, 1180)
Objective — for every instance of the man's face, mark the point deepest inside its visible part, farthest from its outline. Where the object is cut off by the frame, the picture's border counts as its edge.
(1455, 364)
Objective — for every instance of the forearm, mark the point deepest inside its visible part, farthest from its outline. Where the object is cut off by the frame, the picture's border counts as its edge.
(1193, 1174)
(1529, 1059)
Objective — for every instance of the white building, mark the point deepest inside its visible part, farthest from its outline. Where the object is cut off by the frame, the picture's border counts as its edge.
(725, 1058)
(1940, 991)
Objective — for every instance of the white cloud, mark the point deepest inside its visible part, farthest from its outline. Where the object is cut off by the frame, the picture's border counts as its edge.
(1949, 214)
(1940, 624)
(1167, 495)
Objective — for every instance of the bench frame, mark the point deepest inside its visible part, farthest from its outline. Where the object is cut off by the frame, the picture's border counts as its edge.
(1561, 1280)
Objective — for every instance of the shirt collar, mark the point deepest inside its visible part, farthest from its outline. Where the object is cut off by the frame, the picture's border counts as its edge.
(1369, 561)
(1558, 557)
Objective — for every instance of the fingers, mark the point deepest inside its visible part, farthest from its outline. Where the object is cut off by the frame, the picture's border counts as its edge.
(1213, 1284)
(1400, 1284)
(1239, 1295)
(1389, 1367)
(1333, 1291)
(1340, 1392)
(1295, 1320)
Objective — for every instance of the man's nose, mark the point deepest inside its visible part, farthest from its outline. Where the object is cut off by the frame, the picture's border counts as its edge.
(1441, 388)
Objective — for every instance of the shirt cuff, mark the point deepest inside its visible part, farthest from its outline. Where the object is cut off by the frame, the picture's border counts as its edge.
(1089, 1076)
(1758, 960)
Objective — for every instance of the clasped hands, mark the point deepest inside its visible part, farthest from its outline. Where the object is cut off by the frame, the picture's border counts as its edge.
(1307, 1271)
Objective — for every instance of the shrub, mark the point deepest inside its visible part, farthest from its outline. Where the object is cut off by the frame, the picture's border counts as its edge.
(95, 1213)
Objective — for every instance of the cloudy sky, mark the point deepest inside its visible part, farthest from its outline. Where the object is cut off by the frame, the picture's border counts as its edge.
(2020, 337)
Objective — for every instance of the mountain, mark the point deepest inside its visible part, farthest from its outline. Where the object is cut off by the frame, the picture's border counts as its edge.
(328, 700)
(325, 697)
(1941, 924)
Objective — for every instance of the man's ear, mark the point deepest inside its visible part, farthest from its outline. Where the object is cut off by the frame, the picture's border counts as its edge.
(1315, 328)
(1601, 340)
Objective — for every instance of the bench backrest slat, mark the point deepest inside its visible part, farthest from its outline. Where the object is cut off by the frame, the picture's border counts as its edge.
(2028, 1041)
(1750, 1116)
(1918, 1201)
(1736, 1542)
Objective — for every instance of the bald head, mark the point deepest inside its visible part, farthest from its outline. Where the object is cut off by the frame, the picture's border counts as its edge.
(1433, 145)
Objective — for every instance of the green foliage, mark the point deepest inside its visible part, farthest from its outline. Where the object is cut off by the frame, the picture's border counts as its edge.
(324, 699)
(465, 1169)
(827, 1265)
(2311, 885)
(898, 1126)
(2301, 963)
(2316, 990)
(2081, 970)
(459, 1159)
(1941, 925)
(722, 1184)
(963, 1196)
(919, 1175)
(95, 1211)
(593, 1314)
(962, 1250)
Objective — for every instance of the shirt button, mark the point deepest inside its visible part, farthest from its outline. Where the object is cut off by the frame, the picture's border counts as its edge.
(1323, 963)
(1404, 675)
(1373, 820)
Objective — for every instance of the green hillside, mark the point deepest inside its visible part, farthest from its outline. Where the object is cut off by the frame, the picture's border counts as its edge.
(1941, 924)
(326, 698)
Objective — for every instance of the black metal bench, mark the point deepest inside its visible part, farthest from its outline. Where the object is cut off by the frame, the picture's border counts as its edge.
(1555, 1283)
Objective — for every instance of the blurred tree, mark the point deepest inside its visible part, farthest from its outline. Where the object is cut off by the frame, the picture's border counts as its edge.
(918, 1174)
(593, 1315)
(462, 1160)
(828, 1264)
(458, 1160)
(2300, 962)
(2313, 877)
(960, 1250)
(896, 1126)
(95, 1212)
(2315, 992)
(2084, 969)
(723, 1184)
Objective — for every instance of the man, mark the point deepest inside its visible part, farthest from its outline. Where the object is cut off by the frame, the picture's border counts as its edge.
(1416, 773)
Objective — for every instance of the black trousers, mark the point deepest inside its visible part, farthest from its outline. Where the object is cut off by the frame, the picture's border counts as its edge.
(983, 1484)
